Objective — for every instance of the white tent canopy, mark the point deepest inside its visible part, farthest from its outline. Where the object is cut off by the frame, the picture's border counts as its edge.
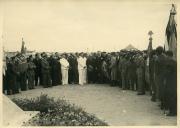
(130, 47)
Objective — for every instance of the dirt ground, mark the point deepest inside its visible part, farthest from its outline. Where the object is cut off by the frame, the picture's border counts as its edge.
(111, 104)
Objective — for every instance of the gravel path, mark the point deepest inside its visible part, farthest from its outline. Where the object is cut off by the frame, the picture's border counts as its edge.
(111, 104)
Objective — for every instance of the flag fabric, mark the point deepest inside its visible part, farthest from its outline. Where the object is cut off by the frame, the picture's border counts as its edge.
(171, 33)
(166, 46)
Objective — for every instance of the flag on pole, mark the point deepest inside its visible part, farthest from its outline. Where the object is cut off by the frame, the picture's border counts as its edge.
(171, 33)
(150, 33)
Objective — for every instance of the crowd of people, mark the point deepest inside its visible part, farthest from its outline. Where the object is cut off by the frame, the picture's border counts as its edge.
(154, 72)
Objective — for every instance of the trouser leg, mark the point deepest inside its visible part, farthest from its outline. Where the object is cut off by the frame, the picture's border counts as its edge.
(36, 79)
(81, 76)
(63, 76)
(84, 76)
(66, 76)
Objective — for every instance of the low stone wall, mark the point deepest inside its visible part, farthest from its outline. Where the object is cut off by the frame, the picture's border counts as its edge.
(13, 115)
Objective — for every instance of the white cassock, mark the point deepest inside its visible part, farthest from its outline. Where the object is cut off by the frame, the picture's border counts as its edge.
(85, 70)
(81, 70)
(64, 70)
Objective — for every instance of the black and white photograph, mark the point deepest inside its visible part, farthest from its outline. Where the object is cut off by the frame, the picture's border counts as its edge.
(89, 62)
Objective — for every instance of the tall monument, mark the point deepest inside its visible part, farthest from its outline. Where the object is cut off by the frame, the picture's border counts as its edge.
(23, 48)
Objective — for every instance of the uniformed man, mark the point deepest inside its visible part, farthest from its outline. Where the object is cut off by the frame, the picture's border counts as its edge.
(31, 73)
(160, 73)
(128, 71)
(123, 72)
(119, 69)
(37, 62)
(113, 68)
(22, 67)
(55, 70)
(98, 63)
(95, 73)
(105, 75)
(12, 73)
(152, 59)
(140, 75)
(9, 75)
(132, 74)
(73, 72)
(45, 71)
(90, 69)
(170, 88)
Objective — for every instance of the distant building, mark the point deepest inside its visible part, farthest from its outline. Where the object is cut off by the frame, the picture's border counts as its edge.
(11, 54)
(23, 51)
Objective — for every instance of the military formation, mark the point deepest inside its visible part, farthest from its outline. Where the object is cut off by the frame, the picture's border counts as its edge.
(154, 73)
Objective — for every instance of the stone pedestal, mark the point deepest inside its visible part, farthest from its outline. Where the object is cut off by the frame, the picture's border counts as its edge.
(13, 115)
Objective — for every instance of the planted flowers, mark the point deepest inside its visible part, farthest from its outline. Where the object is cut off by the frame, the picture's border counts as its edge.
(56, 113)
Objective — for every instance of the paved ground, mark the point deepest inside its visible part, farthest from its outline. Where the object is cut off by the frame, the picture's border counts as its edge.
(115, 106)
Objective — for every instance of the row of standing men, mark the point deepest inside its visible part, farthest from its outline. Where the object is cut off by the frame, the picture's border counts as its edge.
(134, 70)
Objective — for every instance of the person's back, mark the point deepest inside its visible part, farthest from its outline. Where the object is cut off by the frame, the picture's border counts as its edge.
(170, 89)
(140, 75)
(160, 64)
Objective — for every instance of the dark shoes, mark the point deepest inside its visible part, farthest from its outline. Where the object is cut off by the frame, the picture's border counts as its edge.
(171, 114)
(142, 93)
(153, 100)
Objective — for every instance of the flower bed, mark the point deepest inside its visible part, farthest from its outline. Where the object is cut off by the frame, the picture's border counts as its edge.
(56, 113)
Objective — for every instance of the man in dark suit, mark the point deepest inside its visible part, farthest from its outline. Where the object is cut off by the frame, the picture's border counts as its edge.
(160, 73)
(12, 73)
(45, 71)
(73, 72)
(132, 74)
(90, 69)
(170, 88)
(152, 81)
(140, 75)
(55, 70)
(31, 73)
(37, 62)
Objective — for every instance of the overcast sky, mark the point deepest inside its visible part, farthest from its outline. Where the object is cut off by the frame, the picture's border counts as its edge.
(78, 25)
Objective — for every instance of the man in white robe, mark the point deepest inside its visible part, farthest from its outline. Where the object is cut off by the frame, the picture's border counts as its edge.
(81, 69)
(64, 70)
(85, 69)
